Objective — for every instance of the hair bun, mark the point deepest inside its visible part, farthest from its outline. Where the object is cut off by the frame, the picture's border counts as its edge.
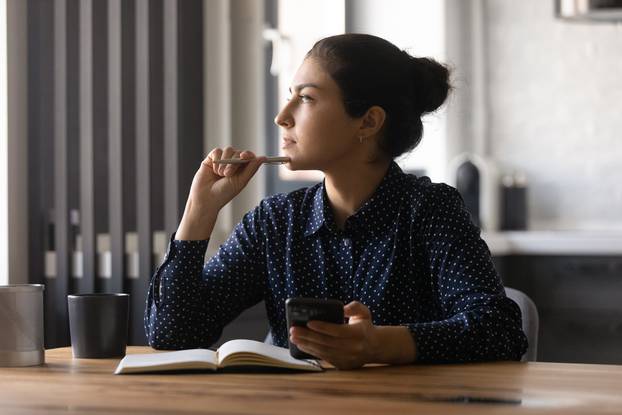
(430, 83)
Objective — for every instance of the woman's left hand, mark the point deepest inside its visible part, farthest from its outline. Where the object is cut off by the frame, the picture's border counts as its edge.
(346, 346)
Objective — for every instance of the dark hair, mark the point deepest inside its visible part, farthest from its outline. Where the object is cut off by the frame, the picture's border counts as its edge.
(372, 71)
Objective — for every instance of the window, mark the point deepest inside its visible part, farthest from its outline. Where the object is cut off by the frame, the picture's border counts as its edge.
(417, 26)
(4, 150)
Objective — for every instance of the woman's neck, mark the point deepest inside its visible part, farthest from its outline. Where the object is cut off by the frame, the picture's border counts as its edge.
(349, 186)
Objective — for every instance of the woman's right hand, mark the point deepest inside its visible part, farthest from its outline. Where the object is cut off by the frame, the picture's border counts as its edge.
(214, 185)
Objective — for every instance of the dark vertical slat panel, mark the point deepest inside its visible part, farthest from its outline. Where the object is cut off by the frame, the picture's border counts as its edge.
(190, 93)
(115, 159)
(73, 132)
(171, 140)
(128, 130)
(100, 137)
(86, 283)
(61, 205)
(41, 146)
(156, 111)
(143, 172)
(128, 121)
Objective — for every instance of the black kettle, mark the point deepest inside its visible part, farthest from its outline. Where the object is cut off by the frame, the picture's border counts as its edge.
(476, 180)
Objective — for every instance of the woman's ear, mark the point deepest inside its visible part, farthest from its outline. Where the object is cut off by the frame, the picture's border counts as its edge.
(373, 121)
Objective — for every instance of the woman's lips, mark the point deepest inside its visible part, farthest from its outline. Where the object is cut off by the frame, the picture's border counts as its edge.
(287, 142)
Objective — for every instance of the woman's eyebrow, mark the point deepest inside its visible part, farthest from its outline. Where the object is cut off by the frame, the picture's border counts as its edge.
(302, 86)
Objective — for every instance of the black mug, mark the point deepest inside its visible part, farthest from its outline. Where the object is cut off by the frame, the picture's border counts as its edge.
(98, 324)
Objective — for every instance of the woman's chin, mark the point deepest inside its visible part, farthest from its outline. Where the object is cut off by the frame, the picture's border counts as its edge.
(296, 162)
(291, 165)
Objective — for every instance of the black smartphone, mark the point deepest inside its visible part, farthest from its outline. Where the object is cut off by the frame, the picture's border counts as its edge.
(301, 310)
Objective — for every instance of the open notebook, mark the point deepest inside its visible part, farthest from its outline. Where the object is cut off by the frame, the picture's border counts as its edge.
(232, 353)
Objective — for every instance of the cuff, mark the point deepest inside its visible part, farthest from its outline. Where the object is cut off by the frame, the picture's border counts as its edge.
(430, 344)
(190, 254)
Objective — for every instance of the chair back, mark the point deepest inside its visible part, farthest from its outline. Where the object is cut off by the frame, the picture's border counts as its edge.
(531, 321)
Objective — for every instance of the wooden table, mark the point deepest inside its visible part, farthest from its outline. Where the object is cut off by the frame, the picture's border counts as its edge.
(87, 386)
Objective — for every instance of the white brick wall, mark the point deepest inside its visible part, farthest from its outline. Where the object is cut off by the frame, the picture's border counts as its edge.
(555, 108)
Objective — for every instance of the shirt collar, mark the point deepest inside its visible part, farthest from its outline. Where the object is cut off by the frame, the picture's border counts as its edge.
(374, 210)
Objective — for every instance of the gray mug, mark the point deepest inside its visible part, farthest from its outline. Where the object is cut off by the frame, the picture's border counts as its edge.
(98, 324)
(21, 325)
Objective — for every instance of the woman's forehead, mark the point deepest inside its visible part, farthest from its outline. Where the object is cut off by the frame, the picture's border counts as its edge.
(311, 74)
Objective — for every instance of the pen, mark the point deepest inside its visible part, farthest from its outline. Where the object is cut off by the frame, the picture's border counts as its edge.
(269, 160)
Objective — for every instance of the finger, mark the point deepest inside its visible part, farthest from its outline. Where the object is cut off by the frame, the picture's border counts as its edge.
(251, 168)
(226, 154)
(347, 354)
(308, 349)
(230, 169)
(317, 351)
(307, 335)
(343, 357)
(330, 329)
(215, 155)
(207, 162)
(247, 155)
(357, 309)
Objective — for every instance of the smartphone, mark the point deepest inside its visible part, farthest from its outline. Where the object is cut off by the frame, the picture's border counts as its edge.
(301, 310)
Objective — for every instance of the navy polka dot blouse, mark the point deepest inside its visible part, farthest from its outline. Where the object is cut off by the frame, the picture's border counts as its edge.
(410, 254)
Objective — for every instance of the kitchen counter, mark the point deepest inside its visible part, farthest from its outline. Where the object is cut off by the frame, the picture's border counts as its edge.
(557, 242)
(554, 242)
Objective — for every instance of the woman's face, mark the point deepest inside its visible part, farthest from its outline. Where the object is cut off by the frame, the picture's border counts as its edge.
(316, 131)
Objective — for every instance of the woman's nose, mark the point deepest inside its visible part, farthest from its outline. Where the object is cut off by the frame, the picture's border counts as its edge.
(283, 119)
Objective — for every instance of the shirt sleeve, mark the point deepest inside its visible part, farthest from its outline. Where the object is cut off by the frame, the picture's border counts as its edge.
(190, 302)
(478, 322)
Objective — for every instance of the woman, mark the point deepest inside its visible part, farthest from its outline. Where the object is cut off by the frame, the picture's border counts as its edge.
(399, 251)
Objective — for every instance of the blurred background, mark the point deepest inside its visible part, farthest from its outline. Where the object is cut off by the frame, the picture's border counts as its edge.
(107, 108)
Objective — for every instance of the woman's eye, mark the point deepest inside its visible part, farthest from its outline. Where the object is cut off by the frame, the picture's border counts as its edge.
(303, 98)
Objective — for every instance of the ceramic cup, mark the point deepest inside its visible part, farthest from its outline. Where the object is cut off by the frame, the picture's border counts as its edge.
(98, 324)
